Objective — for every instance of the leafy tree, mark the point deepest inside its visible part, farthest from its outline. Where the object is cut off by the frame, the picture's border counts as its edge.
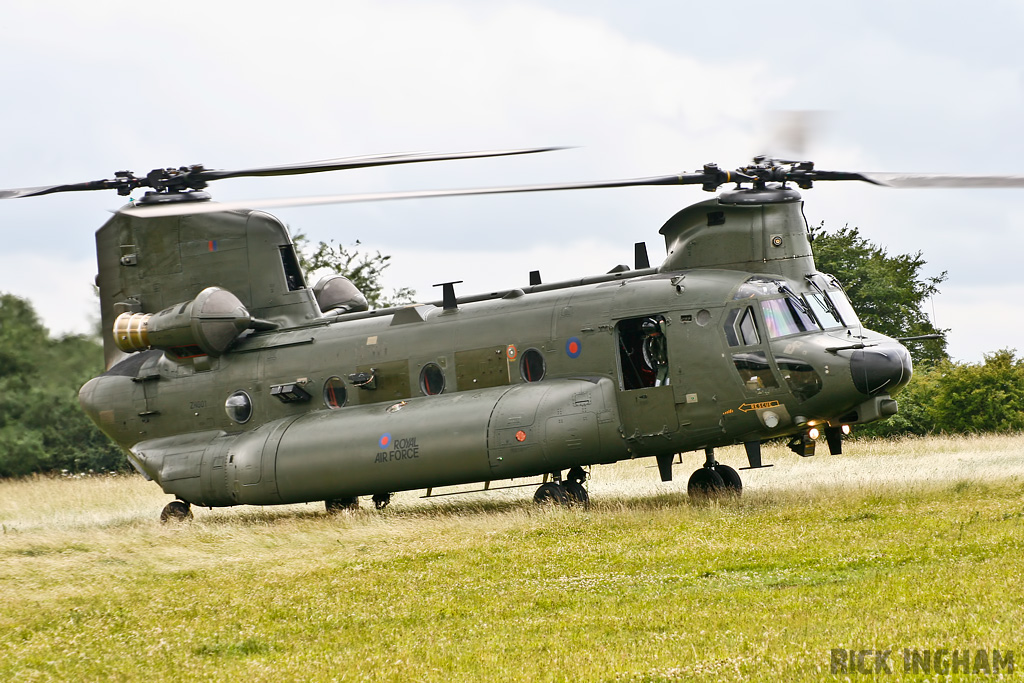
(960, 398)
(42, 427)
(365, 270)
(888, 292)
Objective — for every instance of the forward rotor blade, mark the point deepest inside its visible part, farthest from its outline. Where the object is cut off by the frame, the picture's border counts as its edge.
(365, 162)
(922, 180)
(188, 208)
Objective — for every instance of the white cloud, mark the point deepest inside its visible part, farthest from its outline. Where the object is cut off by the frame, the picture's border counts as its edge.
(645, 88)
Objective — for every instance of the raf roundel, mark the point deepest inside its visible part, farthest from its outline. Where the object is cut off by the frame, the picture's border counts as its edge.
(573, 347)
(385, 440)
(511, 351)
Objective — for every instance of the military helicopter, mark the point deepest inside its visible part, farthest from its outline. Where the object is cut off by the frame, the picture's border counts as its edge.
(231, 381)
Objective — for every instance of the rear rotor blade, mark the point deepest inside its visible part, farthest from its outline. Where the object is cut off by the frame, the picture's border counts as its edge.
(365, 162)
(51, 189)
(196, 177)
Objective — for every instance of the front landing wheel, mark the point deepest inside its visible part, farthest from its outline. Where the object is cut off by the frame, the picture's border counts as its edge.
(176, 511)
(731, 479)
(705, 483)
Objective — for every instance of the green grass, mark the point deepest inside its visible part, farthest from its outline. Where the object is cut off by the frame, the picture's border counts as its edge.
(818, 554)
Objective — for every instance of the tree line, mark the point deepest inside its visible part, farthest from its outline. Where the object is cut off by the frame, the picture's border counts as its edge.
(43, 429)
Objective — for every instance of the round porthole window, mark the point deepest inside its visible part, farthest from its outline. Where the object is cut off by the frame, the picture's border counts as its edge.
(431, 379)
(239, 407)
(531, 365)
(335, 393)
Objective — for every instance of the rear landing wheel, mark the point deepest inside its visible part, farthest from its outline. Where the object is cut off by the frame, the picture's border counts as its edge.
(336, 505)
(551, 493)
(176, 511)
(381, 500)
(577, 495)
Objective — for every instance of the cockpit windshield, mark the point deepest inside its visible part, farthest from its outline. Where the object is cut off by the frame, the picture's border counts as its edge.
(824, 310)
(783, 316)
(786, 316)
(829, 302)
(845, 308)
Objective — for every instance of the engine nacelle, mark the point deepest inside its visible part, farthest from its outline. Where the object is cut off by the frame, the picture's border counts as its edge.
(207, 325)
(336, 294)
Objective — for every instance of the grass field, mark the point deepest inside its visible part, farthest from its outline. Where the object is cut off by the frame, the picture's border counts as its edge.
(915, 545)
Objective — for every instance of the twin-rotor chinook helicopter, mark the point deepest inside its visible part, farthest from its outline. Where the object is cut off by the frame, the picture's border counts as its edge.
(231, 381)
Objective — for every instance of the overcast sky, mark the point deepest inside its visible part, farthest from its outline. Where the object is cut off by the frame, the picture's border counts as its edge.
(640, 88)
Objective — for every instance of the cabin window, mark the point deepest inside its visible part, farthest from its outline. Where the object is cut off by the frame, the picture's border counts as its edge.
(755, 371)
(802, 379)
(239, 407)
(431, 379)
(335, 392)
(643, 352)
(531, 366)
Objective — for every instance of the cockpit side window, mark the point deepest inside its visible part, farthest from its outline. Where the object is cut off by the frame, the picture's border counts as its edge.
(755, 371)
(740, 327)
(748, 328)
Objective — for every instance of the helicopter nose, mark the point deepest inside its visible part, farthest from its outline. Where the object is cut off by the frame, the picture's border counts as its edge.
(881, 368)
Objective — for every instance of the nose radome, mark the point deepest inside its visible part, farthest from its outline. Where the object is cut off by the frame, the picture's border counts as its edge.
(881, 369)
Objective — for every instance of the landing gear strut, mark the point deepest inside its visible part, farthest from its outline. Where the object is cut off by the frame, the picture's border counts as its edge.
(176, 511)
(573, 486)
(713, 479)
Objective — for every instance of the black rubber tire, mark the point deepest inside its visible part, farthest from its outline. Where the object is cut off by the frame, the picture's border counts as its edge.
(577, 495)
(705, 483)
(551, 493)
(336, 505)
(731, 478)
(176, 511)
(381, 500)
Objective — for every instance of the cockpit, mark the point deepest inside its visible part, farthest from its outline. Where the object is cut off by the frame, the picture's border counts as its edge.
(775, 311)
(785, 312)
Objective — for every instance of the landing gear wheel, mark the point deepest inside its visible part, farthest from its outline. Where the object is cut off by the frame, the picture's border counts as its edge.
(176, 511)
(705, 483)
(731, 478)
(577, 474)
(336, 505)
(381, 500)
(577, 495)
(551, 493)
